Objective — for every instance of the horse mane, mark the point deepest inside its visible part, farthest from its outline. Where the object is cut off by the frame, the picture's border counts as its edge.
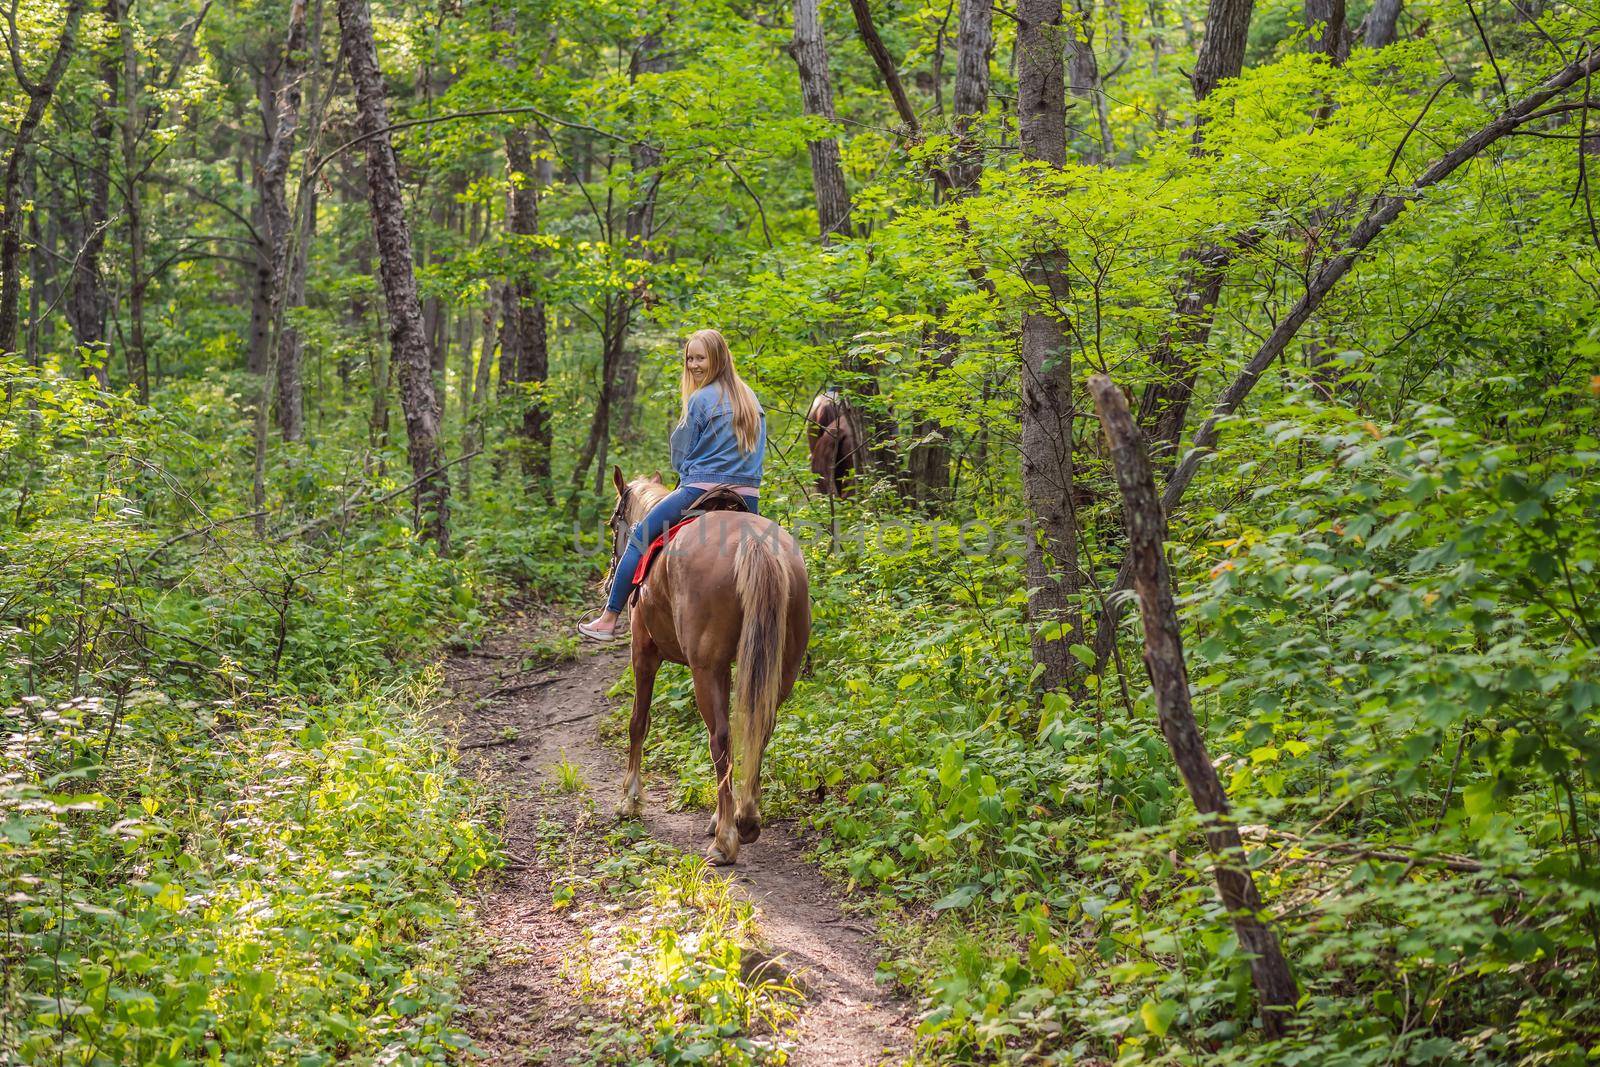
(644, 494)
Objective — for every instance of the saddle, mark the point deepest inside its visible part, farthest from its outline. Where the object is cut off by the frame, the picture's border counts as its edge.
(717, 498)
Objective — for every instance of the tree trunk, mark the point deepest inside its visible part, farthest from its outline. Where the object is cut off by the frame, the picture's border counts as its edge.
(1380, 26)
(1164, 405)
(38, 94)
(974, 44)
(1083, 76)
(260, 289)
(930, 456)
(291, 346)
(595, 443)
(1051, 551)
(810, 54)
(474, 389)
(133, 353)
(525, 359)
(1222, 51)
(1169, 678)
(281, 112)
(1329, 35)
(639, 228)
(36, 266)
(885, 64)
(408, 343)
(86, 303)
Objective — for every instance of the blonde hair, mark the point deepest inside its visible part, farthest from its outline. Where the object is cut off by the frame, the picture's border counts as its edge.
(746, 409)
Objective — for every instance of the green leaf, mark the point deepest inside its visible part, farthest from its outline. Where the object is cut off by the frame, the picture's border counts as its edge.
(1157, 1015)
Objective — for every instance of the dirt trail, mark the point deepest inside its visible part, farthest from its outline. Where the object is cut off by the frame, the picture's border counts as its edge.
(522, 1009)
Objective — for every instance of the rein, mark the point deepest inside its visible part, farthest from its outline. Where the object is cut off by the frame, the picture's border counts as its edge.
(619, 514)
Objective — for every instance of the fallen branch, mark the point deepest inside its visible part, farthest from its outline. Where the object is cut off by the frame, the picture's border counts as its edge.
(1169, 678)
(495, 743)
(508, 690)
(573, 719)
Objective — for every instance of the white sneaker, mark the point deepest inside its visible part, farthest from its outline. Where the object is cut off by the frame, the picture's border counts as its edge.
(588, 630)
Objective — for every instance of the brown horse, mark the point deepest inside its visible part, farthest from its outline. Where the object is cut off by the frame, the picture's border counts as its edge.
(833, 435)
(732, 586)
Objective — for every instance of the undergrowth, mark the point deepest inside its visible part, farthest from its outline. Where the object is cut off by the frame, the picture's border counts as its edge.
(669, 954)
(227, 833)
(1404, 723)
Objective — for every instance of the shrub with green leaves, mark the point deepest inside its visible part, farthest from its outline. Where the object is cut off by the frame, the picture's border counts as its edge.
(243, 883)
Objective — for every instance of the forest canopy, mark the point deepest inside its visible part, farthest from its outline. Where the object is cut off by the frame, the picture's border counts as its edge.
(1205, 662)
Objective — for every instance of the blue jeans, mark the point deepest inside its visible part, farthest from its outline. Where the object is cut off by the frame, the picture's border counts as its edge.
(646, 530)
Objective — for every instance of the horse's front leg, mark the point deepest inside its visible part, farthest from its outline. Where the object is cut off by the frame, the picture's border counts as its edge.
(711, 696)
(646, 662)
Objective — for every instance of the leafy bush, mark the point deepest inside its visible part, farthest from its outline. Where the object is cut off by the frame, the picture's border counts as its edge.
(227, 833)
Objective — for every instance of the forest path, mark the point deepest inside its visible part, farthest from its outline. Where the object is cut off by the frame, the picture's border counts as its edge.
(521, 1008)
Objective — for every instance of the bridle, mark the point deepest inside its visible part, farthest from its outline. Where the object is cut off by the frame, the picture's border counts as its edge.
(619, 515)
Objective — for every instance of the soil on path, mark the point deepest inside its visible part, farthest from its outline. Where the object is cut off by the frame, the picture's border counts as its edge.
(521, 1009)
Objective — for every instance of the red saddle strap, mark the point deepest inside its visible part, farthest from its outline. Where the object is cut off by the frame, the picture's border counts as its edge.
(650, 553)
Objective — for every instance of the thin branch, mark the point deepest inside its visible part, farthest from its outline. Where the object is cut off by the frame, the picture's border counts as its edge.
(434, 120)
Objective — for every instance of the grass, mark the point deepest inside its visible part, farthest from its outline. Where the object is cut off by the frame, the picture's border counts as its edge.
(664, 952)
(569, 777)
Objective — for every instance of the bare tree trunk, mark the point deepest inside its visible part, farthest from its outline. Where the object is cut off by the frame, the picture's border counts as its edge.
(929, 460)
(974, 45)
(1330, 34)
(409, 344)
(134, 353)
(810, 54)
(525, 359)
(1083, 77)
(38, 94)
(1051, 551)
(86, 303)
(639, 228)
(1169, 678)
(1379, 28)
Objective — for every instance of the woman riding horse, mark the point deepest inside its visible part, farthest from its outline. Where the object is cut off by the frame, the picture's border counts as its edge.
(720, 439)
(732, 587)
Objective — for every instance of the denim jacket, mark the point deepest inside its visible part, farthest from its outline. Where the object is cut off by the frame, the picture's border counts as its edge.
(705, 448)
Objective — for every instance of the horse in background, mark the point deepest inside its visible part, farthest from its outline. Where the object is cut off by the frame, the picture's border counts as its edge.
(731, 587)
(833, 435)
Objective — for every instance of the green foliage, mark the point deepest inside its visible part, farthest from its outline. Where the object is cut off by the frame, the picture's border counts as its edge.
(193, 881)
(227, 832)
(680, 973)
(1386, 571)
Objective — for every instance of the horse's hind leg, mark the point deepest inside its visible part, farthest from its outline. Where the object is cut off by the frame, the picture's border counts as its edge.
(646, 662)
(711, 696)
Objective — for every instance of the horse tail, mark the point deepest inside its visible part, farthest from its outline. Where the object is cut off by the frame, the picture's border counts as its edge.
(762, 580)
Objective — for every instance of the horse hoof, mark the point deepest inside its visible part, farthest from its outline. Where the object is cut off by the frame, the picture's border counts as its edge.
(717, 858)
(711, 827)
(629, 808)
(749, 831)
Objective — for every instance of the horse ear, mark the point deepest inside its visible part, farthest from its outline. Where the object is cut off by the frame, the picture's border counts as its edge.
(616, 480)
(656, 477)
